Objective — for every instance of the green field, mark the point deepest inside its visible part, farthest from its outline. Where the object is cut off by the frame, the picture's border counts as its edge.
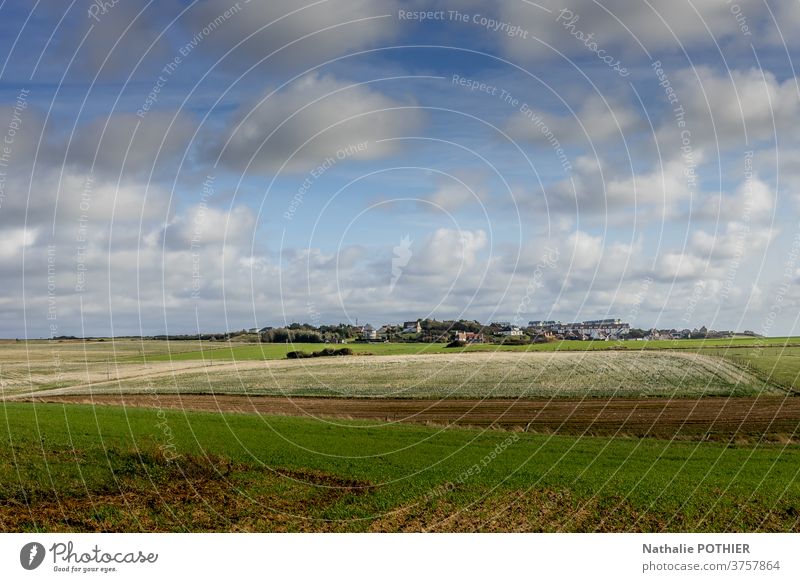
(75, 468)
(777, 364)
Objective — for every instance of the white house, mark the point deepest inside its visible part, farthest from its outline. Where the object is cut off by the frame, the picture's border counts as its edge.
(412, 327)
(511, 331)
(368, 333)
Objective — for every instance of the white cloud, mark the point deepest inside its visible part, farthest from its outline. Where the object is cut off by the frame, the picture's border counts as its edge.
(448, 252)
(624, 27)
(309, 122)
(733, 109)
(297, 34)
(110, 42)
(681, 266)
(597, 187)
(126, 144)
(202, 225)
(15, 240)
(752, 202)
(736, 240)
(463, 189)
(596, 121)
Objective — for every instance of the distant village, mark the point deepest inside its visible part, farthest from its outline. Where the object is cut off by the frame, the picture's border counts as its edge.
(460, 331)
(472, 332)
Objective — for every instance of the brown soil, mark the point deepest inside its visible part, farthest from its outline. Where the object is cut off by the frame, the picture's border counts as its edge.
(775, 418)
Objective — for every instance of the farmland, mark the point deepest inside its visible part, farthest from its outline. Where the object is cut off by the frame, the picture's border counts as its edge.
(240, 352)
(78, 468)
(737, 419)
(479, 375)
(156, 436)
(778, 363)
(78, 368)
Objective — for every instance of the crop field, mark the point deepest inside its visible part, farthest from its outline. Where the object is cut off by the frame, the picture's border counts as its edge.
(41, 364)
(431, 371)
(780, 365)
(79, 468)
(736, 419)
(455, 375)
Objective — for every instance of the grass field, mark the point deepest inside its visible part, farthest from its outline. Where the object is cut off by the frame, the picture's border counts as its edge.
(780, 365)
(77, 468)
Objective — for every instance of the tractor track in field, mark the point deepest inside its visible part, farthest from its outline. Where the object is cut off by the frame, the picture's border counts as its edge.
(769, 417)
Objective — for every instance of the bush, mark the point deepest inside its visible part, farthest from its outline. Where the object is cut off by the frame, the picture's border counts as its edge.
(323, 353)
(456, 344)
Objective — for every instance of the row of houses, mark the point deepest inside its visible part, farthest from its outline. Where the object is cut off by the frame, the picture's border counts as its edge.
(539, 330)
(387, 332)
(595, 329)
(702, 333)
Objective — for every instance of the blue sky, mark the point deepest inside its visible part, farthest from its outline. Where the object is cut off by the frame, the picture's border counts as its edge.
(363, 163)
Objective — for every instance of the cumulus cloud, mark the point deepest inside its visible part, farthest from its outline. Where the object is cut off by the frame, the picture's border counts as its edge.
(109, 39)
(462, 189)
(291, 33)
(735, 240)
(447, 252)
(201, 226)
(598, 188)
(715, 255)
(311, 120)
(15, 240)
(625, 27)
(594, 264)
(125, 144)
(732, 109)
(596, 121)
(752, 202)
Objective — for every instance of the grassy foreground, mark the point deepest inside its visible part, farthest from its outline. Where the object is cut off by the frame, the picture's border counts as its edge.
(79, 468)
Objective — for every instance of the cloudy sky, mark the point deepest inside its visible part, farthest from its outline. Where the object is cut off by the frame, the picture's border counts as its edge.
(178, 166)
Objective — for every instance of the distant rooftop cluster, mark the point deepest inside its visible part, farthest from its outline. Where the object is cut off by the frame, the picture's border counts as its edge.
(431, 330)
(595, 329)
